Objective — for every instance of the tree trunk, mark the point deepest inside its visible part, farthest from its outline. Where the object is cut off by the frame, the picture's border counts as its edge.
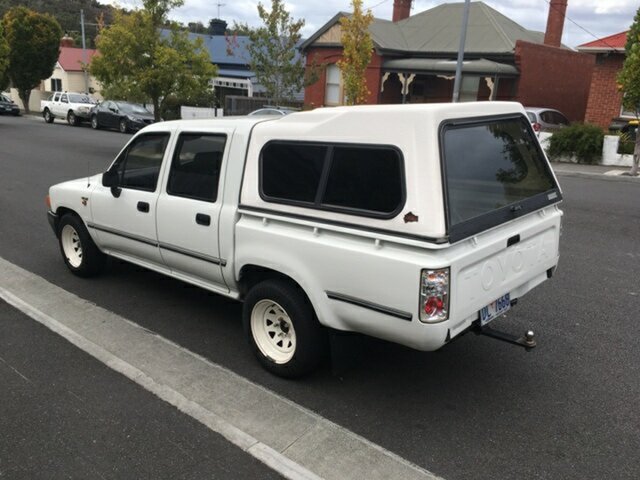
(156, 109)
(24, 96)
(636, 155)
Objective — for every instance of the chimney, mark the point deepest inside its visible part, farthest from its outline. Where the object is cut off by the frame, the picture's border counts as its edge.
(555, 23)
(401, 9)
(217, 27)
(67, 41)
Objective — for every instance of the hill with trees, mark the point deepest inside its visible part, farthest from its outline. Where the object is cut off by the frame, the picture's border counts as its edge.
(67, 13)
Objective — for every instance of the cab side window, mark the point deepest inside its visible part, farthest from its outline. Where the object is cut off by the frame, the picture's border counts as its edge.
(195, 169)
(63, 99)
(139, 166)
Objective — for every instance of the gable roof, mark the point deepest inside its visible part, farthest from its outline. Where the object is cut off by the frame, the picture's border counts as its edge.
(71, 58)
(437, 31)
(612, 43)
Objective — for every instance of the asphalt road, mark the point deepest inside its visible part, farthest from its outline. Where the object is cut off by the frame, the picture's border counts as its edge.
(66, 415)
(478, 409)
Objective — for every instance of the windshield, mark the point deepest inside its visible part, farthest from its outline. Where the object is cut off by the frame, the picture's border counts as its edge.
(133, 108)
(492, 165)
(76, 98)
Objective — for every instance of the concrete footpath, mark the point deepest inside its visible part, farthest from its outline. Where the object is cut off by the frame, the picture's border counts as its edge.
(602, 172)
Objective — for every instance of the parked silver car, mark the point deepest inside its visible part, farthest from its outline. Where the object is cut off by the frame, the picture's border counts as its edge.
(543, 119)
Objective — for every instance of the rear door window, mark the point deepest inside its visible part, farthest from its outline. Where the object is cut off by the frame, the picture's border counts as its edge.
(494, 171)
(195, 170)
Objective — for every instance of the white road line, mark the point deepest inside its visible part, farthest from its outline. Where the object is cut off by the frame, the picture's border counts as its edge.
(290, 439)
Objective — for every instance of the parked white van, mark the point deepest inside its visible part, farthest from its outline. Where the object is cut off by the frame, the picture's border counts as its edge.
(410, 223)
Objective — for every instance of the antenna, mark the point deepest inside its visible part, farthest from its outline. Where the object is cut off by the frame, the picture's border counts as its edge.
(88, 174)
(220, 5)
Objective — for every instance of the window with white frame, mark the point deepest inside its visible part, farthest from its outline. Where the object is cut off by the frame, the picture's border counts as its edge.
(333, 86)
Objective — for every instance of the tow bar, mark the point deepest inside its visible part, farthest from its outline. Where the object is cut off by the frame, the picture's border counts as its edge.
(527, 340)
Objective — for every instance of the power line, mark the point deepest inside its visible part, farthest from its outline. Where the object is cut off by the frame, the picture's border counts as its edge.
(376, 5)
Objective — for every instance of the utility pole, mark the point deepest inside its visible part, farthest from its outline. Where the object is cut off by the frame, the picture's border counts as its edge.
(463, 40)
(220, 5)
(84, 53)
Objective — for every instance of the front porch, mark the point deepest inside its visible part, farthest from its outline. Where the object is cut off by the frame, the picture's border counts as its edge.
(425, 80)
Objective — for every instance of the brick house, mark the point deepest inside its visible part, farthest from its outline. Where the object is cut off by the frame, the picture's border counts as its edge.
(414, 60)
(604, 106)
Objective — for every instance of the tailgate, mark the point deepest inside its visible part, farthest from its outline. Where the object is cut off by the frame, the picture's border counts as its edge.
(492, 268)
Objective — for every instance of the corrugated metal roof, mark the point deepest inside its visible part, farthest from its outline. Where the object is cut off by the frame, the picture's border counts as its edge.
(443, 66)
(437, 30)
(615, 42)
(71, 58)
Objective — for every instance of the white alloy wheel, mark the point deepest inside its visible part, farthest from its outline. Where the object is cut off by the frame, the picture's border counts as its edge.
(273, 331)
(71, 245)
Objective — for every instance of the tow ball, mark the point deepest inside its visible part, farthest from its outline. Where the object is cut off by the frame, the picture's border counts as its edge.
(527, 340)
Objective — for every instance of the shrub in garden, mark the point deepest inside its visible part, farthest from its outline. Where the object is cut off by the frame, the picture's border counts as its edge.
(583, 141)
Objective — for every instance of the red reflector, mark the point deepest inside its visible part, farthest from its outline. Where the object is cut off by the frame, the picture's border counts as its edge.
(432, 305)
(536, 127)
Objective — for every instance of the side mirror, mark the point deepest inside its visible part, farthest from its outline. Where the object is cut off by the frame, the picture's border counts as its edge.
(110, 179)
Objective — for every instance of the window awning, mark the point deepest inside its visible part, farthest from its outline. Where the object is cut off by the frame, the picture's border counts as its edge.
(434, 66)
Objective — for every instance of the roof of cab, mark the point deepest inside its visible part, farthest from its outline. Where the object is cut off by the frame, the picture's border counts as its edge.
(203, 123)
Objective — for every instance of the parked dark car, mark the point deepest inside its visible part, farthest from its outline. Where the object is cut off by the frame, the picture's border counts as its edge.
(125, 116)
(7, 106)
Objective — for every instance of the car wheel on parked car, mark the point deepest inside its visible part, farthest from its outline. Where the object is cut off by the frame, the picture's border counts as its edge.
(94, 122)
(72, 119)
(80, 254)
(124, 127)
(282, 329)
(48, 117)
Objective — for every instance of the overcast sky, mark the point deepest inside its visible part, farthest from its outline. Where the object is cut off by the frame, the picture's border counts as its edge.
(598, 17)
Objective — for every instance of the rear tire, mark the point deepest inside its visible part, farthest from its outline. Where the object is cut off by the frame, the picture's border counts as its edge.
(79, 252)
(48, 116)
(282, 329)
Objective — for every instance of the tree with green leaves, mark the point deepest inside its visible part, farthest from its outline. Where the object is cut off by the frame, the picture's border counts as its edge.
(273, 52)
(4, 60)
(629, 81)
(356, 54)
(34, 46)
(144, 57)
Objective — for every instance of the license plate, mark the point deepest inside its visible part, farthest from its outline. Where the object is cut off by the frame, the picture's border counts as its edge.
(494, 309)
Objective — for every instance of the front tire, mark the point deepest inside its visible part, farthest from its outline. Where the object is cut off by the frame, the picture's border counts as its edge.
(48, 116)
(282, 329)
(72, 119)
(79, 252)
(124, 127)
(94, 122)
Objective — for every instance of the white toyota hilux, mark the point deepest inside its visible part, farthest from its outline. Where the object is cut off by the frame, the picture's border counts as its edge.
(410, 223)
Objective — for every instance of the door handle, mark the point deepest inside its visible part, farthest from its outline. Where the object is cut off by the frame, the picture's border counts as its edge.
(202, 219)
(143, 207)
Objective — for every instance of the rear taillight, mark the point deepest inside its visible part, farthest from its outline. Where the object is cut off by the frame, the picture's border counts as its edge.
(434, 295)
(47, 201)
(536, 127)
